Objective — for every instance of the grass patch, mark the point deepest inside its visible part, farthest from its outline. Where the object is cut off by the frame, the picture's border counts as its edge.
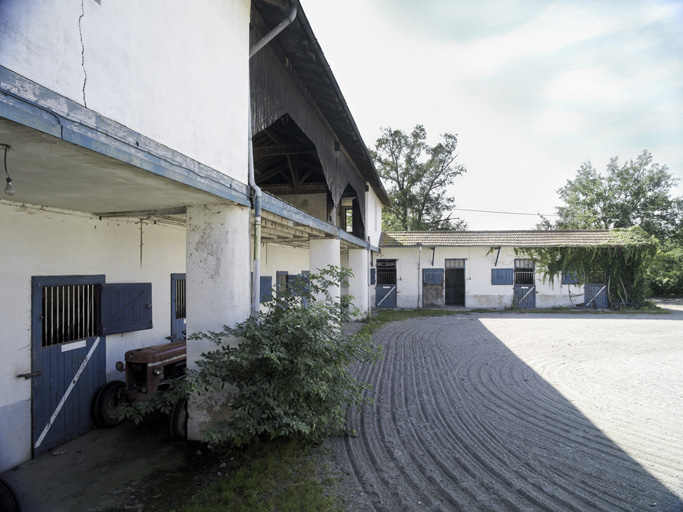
(387, 316)
(273, 476)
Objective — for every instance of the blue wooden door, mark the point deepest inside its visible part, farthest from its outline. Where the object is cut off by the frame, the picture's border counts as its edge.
(178, 307)
(595, 293)
(67, 357)
(524, 296)
(385, 296)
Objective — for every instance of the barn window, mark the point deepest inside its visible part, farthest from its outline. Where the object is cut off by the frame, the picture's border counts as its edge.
(455, 263)
(281, 283)
(180, 298)
(524, 271)
(70, 312)
(348, 219)
(75, 308)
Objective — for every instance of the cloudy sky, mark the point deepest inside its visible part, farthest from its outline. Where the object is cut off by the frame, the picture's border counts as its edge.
(533, 88)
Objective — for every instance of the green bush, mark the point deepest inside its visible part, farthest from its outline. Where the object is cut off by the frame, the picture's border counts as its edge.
(666, 274)
(291, 366)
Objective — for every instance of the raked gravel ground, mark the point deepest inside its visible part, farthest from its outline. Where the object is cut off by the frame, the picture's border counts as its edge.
(520, 412)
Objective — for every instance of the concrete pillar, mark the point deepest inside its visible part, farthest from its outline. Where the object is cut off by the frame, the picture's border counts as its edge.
(218, 271)
(325, 252)
(359, 286)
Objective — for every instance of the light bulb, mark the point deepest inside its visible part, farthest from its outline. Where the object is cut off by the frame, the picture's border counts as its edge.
(9, 189)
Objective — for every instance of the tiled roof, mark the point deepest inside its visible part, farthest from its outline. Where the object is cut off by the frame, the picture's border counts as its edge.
(550, 238)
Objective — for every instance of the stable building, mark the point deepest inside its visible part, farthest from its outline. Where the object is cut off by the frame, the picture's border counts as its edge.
(166, 167)
(478, 269)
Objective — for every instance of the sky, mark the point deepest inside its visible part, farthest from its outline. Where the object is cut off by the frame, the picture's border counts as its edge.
(532, 88)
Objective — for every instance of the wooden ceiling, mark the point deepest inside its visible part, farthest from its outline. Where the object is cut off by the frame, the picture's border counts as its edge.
(286, 161)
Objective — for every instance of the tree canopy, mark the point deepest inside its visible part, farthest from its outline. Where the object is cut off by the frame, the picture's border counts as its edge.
(636, 193)
(417, 176)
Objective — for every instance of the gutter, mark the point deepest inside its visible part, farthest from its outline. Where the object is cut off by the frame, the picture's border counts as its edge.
(256, 279)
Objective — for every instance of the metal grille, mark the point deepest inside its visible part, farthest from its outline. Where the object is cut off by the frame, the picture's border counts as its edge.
(524, 277)
(455, 263)
(386, 271)
(524, 271)
(180, 298)
(281, 283)
(70, 313)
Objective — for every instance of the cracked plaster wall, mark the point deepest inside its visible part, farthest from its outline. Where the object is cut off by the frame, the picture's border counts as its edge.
(171, 71)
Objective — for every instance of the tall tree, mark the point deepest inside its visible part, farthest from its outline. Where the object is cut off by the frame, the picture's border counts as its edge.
(416, 176)
(637, 193)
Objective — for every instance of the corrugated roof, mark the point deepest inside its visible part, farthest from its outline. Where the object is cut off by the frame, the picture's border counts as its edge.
(550, 238)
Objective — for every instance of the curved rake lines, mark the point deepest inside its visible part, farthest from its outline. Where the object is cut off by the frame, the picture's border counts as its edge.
(461, 423)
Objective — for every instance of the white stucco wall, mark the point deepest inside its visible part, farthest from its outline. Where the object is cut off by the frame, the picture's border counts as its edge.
(148, 65)
(47, 242)
(373, 216)
(479, 292)
(313, 204)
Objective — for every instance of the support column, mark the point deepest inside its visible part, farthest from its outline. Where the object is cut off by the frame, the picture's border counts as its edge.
(359, 286)
(218, 270)
(325, 252)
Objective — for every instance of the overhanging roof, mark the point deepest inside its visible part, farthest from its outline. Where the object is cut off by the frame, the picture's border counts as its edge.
(306, 58)
(550, 238)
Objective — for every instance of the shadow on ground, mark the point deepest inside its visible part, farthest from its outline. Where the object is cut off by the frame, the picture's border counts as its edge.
(461, 423)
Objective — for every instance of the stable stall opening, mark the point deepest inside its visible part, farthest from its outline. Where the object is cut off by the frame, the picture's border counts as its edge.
(385, 289)
(524, 284)
(455, 282)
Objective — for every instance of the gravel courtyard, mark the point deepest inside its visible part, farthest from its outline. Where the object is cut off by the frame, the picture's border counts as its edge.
(507, 412)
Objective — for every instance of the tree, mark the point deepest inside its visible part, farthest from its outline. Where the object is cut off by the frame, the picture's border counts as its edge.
(636, 193)
(416, 176)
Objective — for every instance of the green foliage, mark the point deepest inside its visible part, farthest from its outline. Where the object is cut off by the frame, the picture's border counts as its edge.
(626, 261)
(416, 176)
(666, 274)
(291, 366)
(636, 193)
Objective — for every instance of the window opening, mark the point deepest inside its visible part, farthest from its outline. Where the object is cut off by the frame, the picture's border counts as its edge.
(348, 219)
(180, 298)
(281, 283)
(70, 313)
(455, 263)
(386, 271)
(524, 271)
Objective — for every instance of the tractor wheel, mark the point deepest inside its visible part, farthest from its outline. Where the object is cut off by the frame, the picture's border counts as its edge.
(177, 421)
(106, 402)
(8, 499)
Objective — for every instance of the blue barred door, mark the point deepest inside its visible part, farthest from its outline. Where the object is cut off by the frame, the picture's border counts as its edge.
(67, 357)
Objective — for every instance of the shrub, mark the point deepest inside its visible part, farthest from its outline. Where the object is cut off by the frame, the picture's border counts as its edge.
(291, 366)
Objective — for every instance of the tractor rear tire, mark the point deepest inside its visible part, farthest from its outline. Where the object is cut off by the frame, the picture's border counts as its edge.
(106, 402)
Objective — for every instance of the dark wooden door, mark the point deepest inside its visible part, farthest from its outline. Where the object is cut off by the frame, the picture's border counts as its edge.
(455, 286)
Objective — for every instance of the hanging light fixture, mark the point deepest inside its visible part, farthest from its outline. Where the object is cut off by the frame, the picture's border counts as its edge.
(9, 188)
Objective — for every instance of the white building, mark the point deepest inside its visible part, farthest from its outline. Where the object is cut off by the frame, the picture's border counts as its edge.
(127, 128)
(477, 269)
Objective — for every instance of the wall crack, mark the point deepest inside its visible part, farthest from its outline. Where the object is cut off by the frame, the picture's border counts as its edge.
(80, 31)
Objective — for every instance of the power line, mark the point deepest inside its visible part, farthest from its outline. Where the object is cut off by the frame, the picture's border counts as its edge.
(506, 213)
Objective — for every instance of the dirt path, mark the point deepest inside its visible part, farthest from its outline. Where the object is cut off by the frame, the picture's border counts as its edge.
(507, 412)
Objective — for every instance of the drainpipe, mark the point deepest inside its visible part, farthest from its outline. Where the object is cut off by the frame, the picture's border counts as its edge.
(419, 276)
(256, 280)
